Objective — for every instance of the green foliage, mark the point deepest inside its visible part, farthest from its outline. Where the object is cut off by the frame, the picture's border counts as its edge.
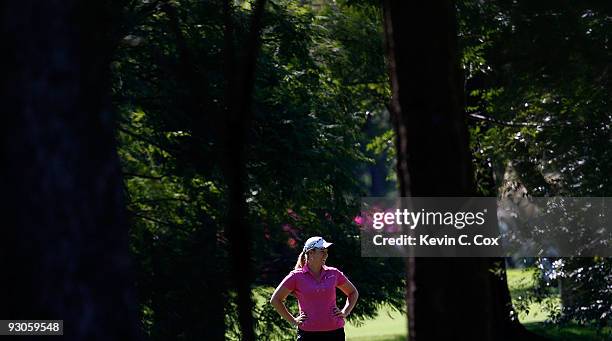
(383, 144)
(584, 286)
(316, 85)
(522, 283)
(539, 72)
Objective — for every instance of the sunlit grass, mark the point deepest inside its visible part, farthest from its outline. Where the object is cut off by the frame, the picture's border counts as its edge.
(387, 326)
(520, 281)
(378, 338)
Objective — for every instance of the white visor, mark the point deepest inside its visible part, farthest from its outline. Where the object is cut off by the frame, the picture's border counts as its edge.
(316, 243)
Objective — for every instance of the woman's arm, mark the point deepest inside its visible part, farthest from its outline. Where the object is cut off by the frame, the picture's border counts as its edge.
(352, 295)
(277, 301)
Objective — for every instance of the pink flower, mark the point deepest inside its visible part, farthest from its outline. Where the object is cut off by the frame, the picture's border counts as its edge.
(287, 227)
(292, 243)
(358, 220)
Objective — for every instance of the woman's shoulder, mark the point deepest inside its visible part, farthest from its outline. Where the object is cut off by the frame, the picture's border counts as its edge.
(332, 269)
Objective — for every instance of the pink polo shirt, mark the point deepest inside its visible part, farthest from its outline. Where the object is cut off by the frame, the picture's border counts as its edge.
(316, 299)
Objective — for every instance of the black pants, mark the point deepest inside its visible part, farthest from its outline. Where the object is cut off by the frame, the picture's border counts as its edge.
(332, 335)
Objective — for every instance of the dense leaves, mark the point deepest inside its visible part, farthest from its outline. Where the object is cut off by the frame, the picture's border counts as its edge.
(538, 84)
(317, 86)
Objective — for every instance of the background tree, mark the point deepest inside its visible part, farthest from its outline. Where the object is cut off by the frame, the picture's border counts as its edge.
(434, 160)
(538, 90)
(65, 237)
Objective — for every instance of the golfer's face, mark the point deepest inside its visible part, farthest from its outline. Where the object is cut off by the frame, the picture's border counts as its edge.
(320, 254)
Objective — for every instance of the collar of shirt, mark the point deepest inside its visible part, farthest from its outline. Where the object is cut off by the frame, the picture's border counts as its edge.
(306, 269)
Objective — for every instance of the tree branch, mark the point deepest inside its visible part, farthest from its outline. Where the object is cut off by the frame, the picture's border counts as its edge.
(480, 117)
(161, 222)
(134, 175)
(144, 139)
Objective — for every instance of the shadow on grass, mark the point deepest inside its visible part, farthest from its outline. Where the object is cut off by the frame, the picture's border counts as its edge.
(571, 332)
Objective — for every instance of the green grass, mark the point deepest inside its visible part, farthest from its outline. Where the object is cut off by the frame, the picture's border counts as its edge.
(389, 325)
(520, 281)
(378, 338)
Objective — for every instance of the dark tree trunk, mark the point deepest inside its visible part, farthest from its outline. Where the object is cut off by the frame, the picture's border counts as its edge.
(64, 249)
(211, 324)
(447, 298)
(240, 78)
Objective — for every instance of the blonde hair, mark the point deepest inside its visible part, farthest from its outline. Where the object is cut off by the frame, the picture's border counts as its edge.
(301, 261)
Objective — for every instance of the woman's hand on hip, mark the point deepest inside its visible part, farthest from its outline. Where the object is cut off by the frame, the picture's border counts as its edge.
(300, 319)
(339, 313)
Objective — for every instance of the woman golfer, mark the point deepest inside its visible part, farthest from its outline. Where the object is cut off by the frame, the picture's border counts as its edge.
(314, 285)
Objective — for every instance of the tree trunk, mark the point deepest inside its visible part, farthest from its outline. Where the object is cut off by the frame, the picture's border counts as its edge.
(64, 248)
(240, 78)
(447, 298)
